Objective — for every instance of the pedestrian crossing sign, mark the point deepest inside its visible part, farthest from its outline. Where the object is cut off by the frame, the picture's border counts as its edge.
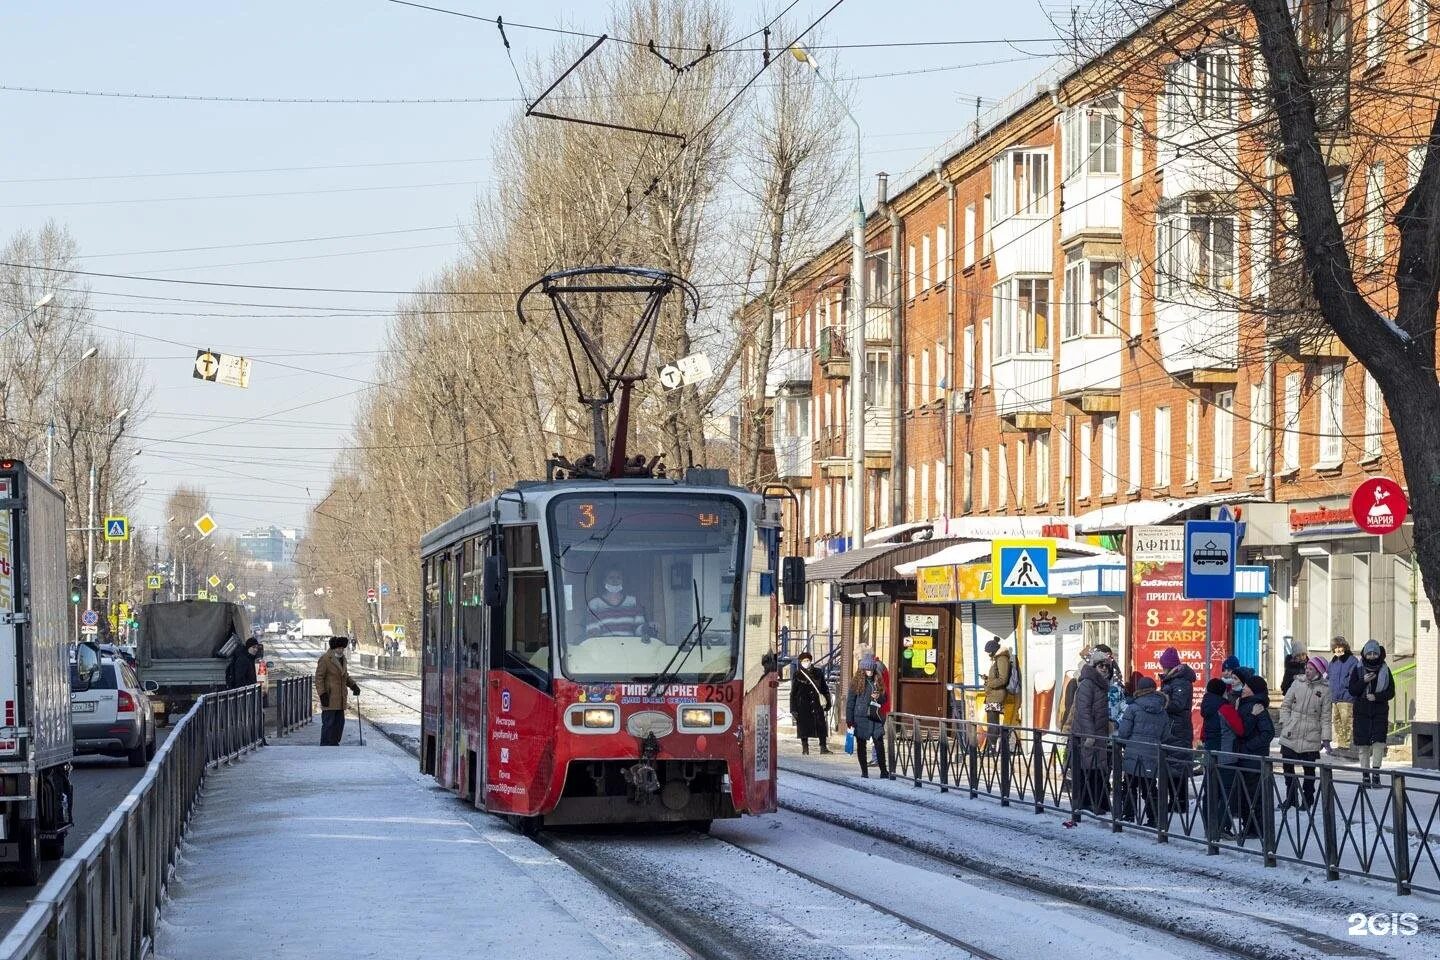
(117, 528)
(1020, 570)
(154, 581)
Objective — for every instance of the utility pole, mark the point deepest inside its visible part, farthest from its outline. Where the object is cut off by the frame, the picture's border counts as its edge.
(90, 546)
(379, 604)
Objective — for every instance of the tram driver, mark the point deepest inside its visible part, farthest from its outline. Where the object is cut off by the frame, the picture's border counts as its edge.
(616, 613)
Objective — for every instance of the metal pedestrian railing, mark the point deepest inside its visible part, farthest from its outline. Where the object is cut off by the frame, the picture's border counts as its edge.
(406, 665)
(294, 703)
(104, 901)
(1221, 801)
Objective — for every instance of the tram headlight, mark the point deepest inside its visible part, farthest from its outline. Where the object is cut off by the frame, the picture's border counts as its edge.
(697, 717)
(599, 717)
(703, 718)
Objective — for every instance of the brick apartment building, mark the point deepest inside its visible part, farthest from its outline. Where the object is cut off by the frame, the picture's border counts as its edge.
(1085, 318)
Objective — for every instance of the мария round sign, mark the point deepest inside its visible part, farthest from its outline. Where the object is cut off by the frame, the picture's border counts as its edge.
(1379, 506)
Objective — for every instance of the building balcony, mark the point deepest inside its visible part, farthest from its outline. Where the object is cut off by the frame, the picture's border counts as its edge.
(1198, 342)
(1023, 244)
(1093, 205)
(879, 433)
(834, 358)
(1022, 385)
(792, 459)
(789, 371)
(1089, 376)
(878, 327)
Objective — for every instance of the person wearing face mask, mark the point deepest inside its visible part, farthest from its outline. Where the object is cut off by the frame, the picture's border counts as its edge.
(1373, 687)
(863, 715)
(1254, 744)
(1304, 729)
(809, 702)
(615, 613)
(1342, 704)
(332, 680)
(1089, 730)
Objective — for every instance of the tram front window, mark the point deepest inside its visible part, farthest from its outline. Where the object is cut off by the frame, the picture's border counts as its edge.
(629, 571)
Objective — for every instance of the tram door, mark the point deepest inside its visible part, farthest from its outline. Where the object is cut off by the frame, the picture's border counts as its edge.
(474, 653)
(446, 688)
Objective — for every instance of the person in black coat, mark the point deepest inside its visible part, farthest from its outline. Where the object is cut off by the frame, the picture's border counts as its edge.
(1177, 685)
(240, 671)
(1254, 742)
(1089, 755)
(1373, 687)
(809, 702)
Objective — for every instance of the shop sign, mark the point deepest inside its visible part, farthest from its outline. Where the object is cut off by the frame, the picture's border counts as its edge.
(935, 584)
(1379, 506)
(1043, 624)
(1303, 520)
(920, 645)
(1157, 544)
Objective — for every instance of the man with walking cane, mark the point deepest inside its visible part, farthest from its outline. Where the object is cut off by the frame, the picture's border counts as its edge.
(332, 682)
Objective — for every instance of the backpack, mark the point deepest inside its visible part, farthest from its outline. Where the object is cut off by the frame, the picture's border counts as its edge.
(1012, 686)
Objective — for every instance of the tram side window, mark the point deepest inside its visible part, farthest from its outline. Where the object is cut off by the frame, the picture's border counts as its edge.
(446, 635)
(473, 612)
(526, 651)
(432, 612)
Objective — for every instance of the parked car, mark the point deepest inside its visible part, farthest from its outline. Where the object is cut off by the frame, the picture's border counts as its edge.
(113, 716)
(272, 628)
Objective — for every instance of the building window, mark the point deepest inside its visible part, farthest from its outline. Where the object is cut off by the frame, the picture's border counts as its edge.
(1020, 474)
(1022, 316)
(910, 382)
(942, 372)
(1087, 432)
(1223, 412)
(910, 271)
(879, 274)
(1414, 163)
(1374, 42)
(925, 262)
(1375, 211)
(910, 491)
(1418, 22)
(1260, 254)
(968, 345)
(925, 491)
(1042, 468)
(1196, 249)
(1133, 484)
(1198, 89)
(969, 481)
(1092, 138)
(1109, 455)
(1192, 440)
(877, 378)
(1332, 413)
(1020, 183)
(1259, 424)
(1162, 447)
(1290, 446)
(985, 479)
(1374, 417)
(1066, 451)
(942, 254)
(940, 491)
(969, 235)
(1137, 326)
(1072, 316)
(1003, 493)
(987, 223)
(986, 348)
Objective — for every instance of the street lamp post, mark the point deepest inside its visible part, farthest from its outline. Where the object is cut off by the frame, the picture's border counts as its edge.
(34, 309)
(50, 430)
(856, 331)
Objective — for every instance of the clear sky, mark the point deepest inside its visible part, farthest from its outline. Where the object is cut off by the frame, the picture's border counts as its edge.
(140, 182)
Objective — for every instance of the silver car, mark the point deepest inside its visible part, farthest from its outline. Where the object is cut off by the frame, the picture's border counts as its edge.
(114, 717)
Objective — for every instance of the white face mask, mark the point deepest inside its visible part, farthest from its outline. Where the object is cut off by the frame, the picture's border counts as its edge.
(614, 587)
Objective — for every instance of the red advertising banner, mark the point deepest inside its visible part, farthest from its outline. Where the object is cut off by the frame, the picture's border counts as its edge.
(1162, 617)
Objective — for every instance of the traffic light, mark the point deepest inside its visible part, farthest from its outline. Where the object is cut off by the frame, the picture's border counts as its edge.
(76, 593)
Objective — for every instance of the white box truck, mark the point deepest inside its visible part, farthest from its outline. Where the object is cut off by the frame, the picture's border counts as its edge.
(316, 628)
(36, 746)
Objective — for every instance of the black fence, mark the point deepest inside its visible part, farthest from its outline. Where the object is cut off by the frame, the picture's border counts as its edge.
(1315, 814)
(294, 703)
(104, 901)
(409, 666)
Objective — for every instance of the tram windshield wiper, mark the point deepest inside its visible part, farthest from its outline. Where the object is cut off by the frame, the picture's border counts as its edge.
(682, 653)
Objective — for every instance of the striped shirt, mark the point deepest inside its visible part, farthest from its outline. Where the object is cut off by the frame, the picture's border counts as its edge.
(623, 619)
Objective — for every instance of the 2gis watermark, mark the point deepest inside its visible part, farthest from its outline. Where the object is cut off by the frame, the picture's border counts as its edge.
(1382, 924)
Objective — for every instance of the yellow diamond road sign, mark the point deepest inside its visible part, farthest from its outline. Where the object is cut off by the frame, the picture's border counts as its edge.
(230, 587)
(206, 525)
(213, 580)
(154, 581)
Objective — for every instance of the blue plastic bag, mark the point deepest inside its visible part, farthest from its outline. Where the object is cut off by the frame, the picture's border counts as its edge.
(849, 741)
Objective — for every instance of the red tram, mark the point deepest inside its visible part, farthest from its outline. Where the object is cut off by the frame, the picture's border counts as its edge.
(599, 651)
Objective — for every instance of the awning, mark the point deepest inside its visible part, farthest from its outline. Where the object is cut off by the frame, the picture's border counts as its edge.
(871, 563)
(888, 534)
(975, 551)
(989, 528)
(1118, 516)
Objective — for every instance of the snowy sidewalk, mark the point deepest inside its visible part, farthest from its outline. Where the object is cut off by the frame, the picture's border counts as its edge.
(301, 851)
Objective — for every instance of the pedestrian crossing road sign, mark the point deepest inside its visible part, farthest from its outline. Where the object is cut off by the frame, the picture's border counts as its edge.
(1020, 570)
(154, 581)
(117, 528)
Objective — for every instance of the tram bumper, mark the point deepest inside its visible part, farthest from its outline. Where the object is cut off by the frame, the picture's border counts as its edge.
(644, 790)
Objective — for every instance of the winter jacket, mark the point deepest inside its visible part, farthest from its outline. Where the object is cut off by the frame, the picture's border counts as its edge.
(1305, 715)
(332, 680)
(1341, 670)
(857, 708)
(1142, 728)
(1216, 734)
(1091, 718)
(1259, 730)
(809, 700)
(240, 671)
(997, 680)
(1116, 701)
(1372, 717)
(1178, 686)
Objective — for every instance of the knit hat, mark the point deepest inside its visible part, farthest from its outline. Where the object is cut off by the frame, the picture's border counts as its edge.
(1258, 686)
(992, 647)
(1169, 658)
(1215, 686)
(868, 662)
(1372, 649)
(1144, 685)
(1230, 664)
(1320, 665)
(1244, 673)
(1098, 656)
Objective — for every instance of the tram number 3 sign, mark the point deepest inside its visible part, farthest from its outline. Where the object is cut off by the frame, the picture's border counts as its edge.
(1379, 506)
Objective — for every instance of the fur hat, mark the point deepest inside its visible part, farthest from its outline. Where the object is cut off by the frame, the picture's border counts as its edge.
(1169, 658)
(1321, 667)
(1098, 656)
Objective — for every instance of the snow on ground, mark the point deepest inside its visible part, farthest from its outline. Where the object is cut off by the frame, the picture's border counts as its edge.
(300, 851)
(1282, 911)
